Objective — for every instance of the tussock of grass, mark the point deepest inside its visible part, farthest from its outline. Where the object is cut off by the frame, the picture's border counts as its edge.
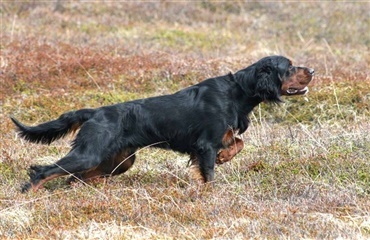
(304, 172)
(15, 220)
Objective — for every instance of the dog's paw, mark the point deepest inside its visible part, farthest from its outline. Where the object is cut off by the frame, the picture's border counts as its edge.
(25, 187)
(223, 156)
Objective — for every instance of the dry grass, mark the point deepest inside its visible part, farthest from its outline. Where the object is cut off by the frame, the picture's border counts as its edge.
(304, 172)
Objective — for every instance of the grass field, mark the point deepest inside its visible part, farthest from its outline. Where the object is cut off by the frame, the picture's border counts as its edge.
(305, 168)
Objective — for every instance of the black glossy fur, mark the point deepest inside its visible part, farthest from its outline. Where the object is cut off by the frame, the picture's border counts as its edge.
(191, 121)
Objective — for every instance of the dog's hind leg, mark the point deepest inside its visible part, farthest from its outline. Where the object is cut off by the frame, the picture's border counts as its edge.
(117, 164)
(71, 164)
(96, 142)
(123, 161)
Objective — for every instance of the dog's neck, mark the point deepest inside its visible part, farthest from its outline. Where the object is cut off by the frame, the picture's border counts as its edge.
(242, 79)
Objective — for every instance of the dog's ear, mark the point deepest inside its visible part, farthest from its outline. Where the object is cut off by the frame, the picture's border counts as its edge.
(268, 84)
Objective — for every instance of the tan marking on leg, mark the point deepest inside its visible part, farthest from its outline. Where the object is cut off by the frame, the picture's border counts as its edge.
(225, 155)
(123, 161)
(91, 174)
(40, 184)
(228, 137)
(194, 171)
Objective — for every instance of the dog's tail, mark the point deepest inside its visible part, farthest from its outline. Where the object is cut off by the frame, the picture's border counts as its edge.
(48, 132)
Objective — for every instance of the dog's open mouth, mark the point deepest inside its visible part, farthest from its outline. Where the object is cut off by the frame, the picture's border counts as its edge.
(295, 91)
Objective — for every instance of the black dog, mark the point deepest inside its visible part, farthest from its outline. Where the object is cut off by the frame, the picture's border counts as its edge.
(199, 120)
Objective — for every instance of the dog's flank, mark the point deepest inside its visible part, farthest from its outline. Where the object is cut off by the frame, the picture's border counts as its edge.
(200, 120)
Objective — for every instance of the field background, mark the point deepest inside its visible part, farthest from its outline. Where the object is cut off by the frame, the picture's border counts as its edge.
(305, 169)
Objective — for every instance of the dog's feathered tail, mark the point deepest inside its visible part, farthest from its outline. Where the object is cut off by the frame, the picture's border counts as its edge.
(48, 132)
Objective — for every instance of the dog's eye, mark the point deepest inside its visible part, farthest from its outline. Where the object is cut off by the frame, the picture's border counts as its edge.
(291, 68)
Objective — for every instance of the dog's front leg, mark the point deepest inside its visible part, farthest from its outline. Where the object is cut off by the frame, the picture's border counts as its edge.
(226, 154)
(195, 173)
(202, 164)
(232, 145)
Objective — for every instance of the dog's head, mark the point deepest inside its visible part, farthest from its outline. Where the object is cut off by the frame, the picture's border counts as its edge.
(276, 76)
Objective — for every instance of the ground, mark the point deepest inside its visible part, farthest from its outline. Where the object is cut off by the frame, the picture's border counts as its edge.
(305, 169)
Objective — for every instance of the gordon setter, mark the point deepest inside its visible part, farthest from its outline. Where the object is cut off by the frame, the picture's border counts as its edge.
(202, 120)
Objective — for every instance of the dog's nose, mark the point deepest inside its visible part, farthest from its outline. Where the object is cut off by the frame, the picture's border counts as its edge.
(311, 71)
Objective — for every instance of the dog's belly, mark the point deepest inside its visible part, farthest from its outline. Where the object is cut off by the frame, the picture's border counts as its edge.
(182, 148)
